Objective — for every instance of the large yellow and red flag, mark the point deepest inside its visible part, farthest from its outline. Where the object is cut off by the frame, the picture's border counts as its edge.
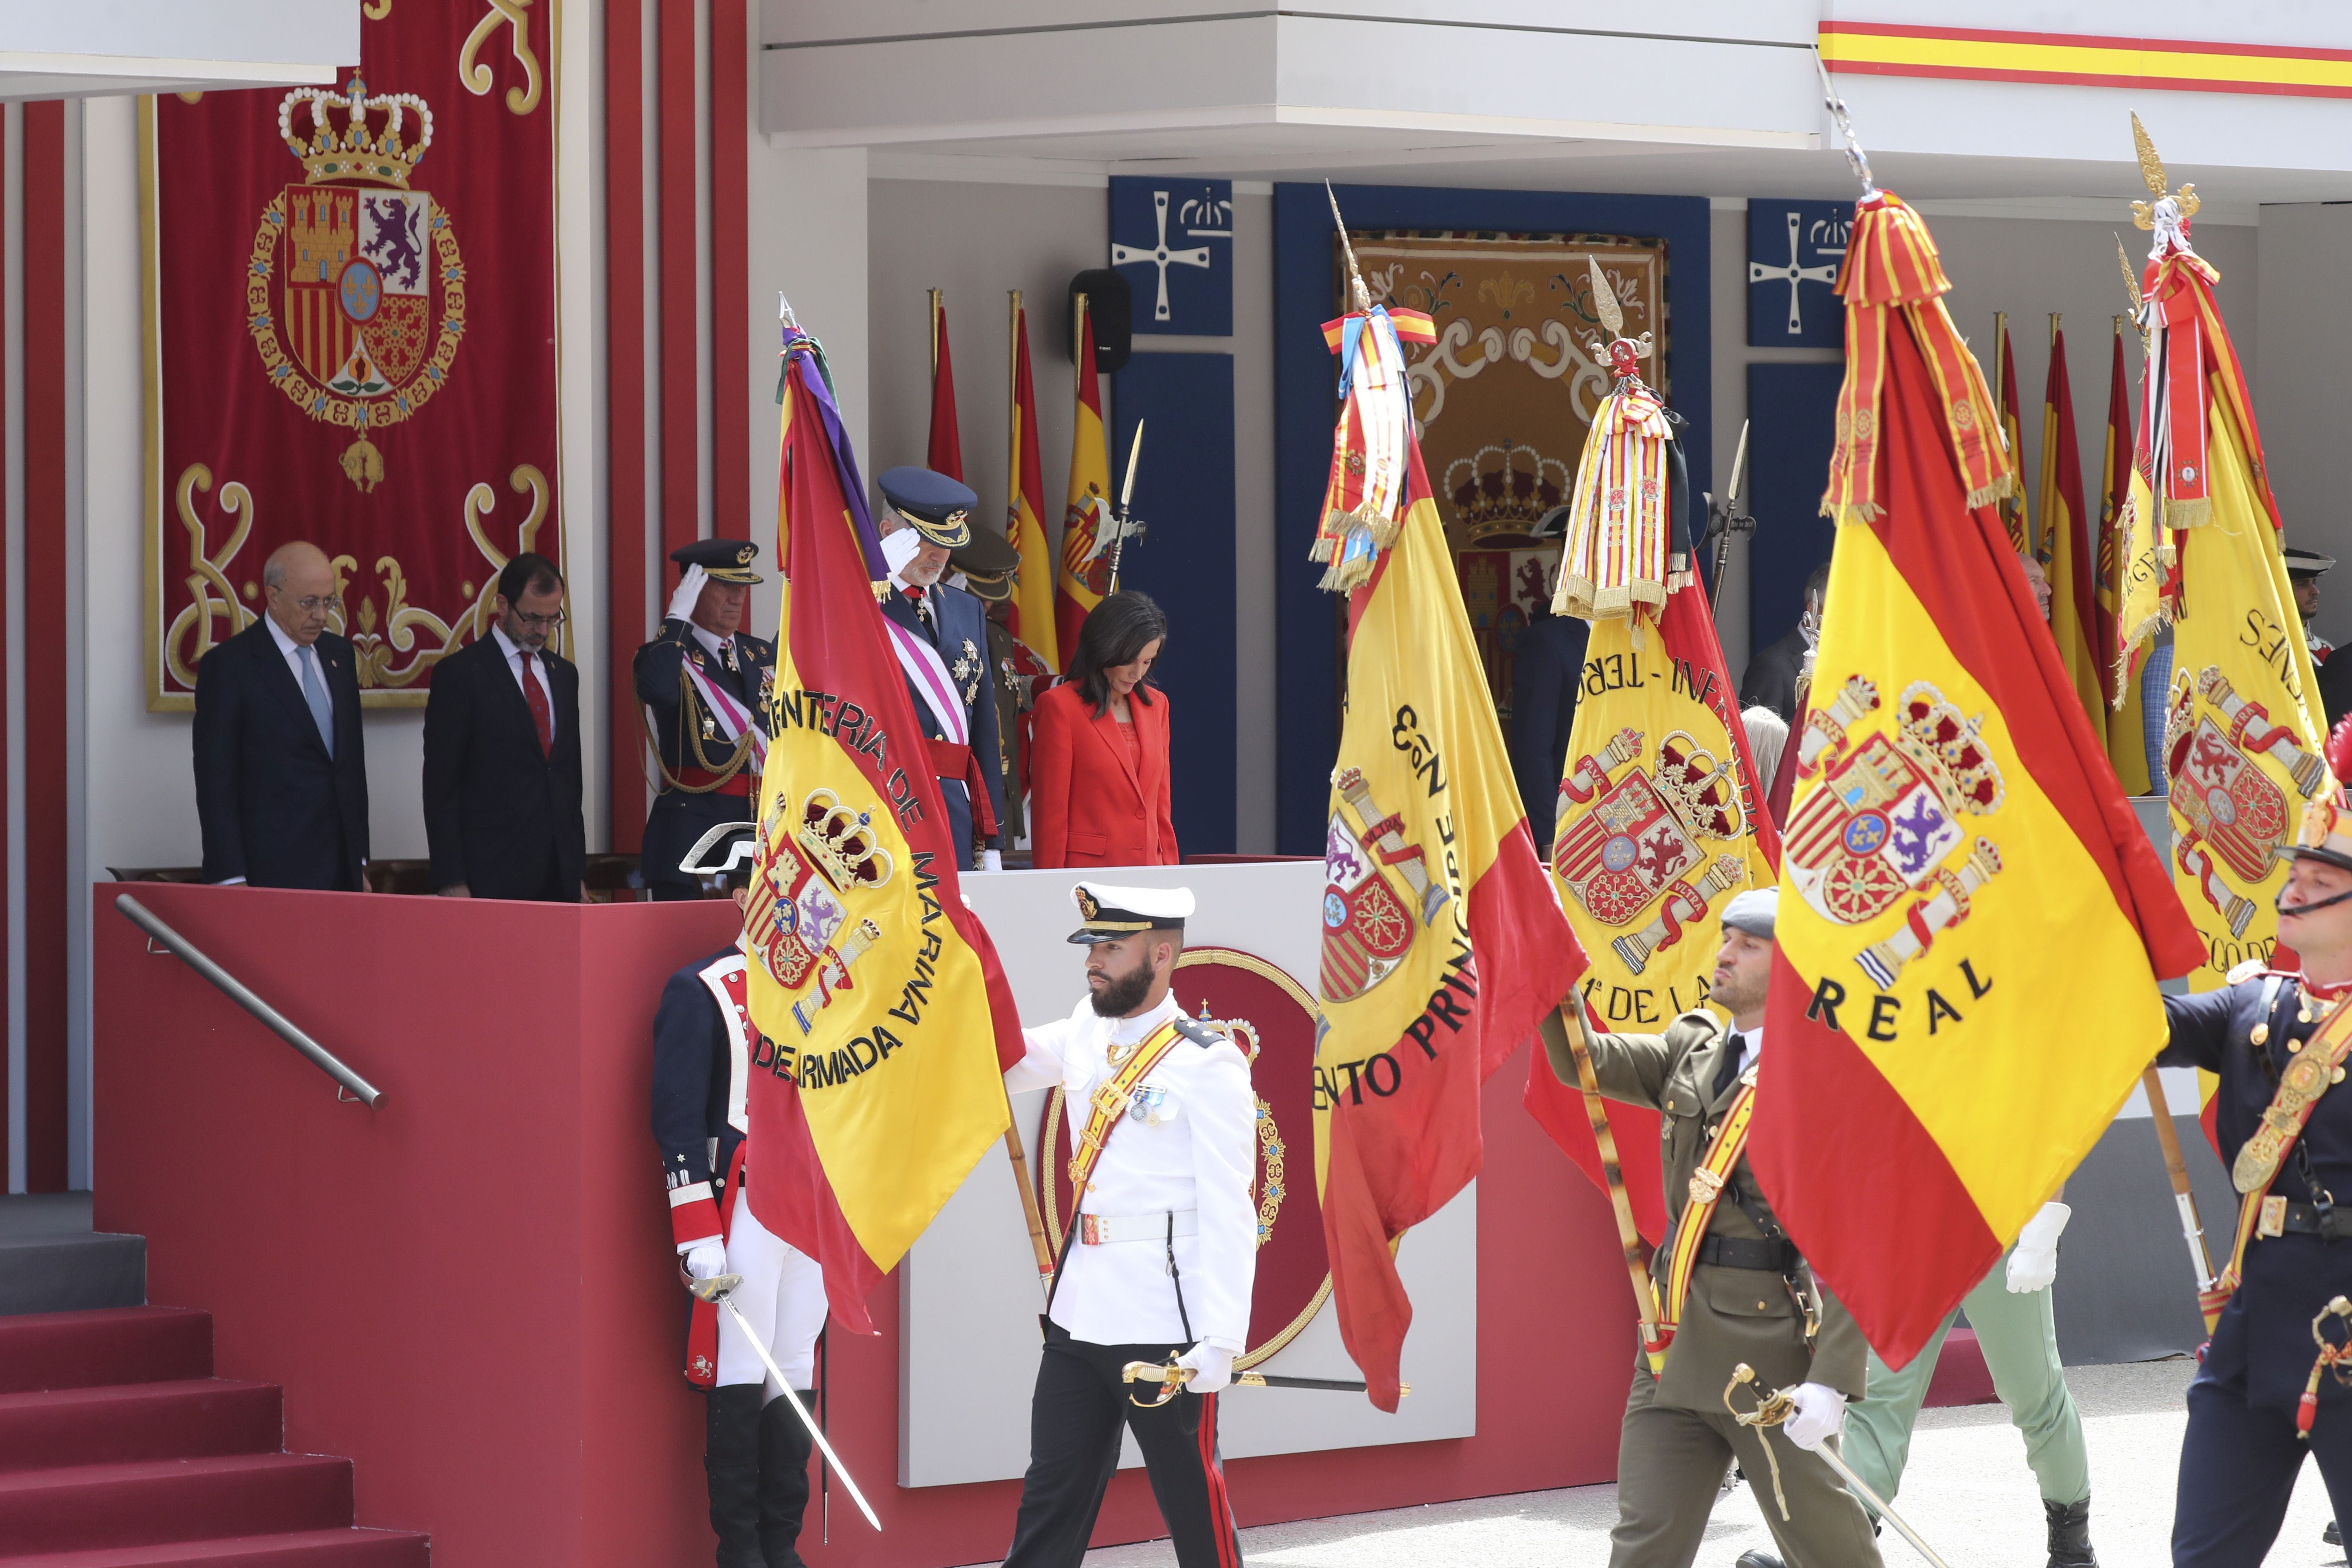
(1953, 809)
(1444, 944)
(1084, 581)
(885, 1022)
(2064, 546)
(2118, 671)
(1024, 507)
(2013, 501)
(945, 454)
(1662, 819)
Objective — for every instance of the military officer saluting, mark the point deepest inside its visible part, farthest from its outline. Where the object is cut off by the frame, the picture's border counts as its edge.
(986, 569)
(705, 683)
(755, 1451)
(941, 641)
(1747, 1295)
(2280, 1040)
(1162, 1249)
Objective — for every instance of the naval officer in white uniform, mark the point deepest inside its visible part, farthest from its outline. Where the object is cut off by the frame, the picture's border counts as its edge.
(1162, 1249)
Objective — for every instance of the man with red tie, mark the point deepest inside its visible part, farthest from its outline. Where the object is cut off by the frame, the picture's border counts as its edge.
(502, 753)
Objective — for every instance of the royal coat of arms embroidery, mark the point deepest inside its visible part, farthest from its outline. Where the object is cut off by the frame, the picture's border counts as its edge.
(356, 294)
(1375, 886)
(2223, 803)
(802, 930)
(1632, 842)
(1880, 822)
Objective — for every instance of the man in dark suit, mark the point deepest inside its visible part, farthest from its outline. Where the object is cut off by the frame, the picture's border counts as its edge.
(281, 770)
(502, 753)
(1770, 680)
(1545, 680)
(705, 682)
(946, 658)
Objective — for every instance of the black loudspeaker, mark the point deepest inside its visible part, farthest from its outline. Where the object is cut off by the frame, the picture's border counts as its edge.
(1110, 310)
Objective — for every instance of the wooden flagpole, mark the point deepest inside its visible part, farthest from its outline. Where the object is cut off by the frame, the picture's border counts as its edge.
(2192, 1230)
(1038, 1243)
(1629, 1236)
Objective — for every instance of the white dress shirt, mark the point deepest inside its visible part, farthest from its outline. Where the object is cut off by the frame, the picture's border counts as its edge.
(513, 652)
(710, 640)
(293, 652)
(1752, 1045)
(1200, 1160)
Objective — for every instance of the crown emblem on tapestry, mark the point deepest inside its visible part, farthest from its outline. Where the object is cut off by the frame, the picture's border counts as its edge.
(839, 844)
(353, 136)
(1504, 489)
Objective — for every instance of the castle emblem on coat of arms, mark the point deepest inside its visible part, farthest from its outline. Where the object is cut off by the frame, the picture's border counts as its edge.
(1641, 841)
(802, 930)
(1879, 820)
(1377, 892)
(2224, 806)
(356, 293)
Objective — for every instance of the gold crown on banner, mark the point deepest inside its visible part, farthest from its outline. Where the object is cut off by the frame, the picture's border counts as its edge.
(1697, 786)
(1938, 735)
(1504, 489)
(839, 844)
(353, 136)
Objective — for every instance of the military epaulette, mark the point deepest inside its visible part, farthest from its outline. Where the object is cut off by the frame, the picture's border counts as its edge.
(2254, 969)
(1200, 1034)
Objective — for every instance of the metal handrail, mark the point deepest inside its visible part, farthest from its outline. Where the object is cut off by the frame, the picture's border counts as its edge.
(236, 991)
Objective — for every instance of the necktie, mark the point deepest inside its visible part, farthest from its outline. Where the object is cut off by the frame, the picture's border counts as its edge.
(314, 692)
(1728, 1074)
(542, 715)
(727, 654)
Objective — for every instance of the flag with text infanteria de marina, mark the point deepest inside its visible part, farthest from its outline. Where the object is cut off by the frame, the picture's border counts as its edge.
(885, 1020)
(1953, 809)
(1444, 944)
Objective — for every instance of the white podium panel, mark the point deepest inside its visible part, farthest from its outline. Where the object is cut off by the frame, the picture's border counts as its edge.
(968, 1293)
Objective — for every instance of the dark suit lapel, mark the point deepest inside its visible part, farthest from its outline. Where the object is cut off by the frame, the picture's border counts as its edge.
(279, 678)
(502, 676)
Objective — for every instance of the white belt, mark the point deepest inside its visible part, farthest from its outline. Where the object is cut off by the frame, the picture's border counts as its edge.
(1095, 1229)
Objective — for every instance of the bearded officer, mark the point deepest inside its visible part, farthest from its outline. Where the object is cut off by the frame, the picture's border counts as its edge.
(943, 648)
(755, 1451)
(1750, 1296)
(1162, 1249)
(2279, 1040)
(705, 682)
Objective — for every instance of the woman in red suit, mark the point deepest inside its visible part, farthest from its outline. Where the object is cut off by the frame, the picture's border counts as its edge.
(1098, 758)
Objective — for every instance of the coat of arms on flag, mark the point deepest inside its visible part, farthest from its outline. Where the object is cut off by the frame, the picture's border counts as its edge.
(2227, 805)
(1375, 886)
(356, 297)
(1631, 843)
(797, 921)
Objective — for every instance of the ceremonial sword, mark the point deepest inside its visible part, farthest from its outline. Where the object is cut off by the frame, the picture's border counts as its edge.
(1119, 525)
(1771, 1409)
(720, 1288)
(1725, 519)
(1173, 1379)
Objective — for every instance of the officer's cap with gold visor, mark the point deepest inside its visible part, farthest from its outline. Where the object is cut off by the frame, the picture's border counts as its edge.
(1111, 913)
(940, 508)
(726, 560)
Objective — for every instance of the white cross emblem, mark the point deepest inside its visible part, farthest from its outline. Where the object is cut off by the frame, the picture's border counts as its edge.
(1759, 273)
(1159, 256)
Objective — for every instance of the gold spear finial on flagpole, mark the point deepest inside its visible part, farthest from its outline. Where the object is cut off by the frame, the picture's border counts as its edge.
(1356, 290)
(1604, 301)
(2152, 171)
(2131, 278)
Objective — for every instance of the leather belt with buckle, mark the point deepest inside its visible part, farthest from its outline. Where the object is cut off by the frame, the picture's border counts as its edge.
(1096, 1229)
(1743, 1252)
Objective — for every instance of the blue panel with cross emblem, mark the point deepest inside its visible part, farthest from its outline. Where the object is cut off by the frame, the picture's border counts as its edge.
(1172, 240)
(1794, 251)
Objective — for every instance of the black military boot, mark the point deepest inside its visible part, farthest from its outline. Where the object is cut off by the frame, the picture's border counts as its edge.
(784, 1448)
(730, 1460)
(2070, 1534)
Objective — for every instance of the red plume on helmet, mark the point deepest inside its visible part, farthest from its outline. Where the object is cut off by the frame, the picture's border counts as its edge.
(2339, 750)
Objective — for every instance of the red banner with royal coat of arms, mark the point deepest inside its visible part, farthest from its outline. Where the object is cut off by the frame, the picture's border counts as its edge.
(351, 340)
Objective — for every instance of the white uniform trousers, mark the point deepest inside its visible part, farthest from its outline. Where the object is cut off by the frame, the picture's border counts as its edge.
(782, 1295)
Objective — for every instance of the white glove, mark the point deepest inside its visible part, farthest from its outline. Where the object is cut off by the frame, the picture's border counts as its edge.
(706, 1259)
(899, 548)
(1212, 1367)
(992, 861)
(1819, 1415)
(689, 594)
(2034, 1261)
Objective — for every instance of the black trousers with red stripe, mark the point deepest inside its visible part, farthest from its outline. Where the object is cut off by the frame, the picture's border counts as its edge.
(1074, 1420)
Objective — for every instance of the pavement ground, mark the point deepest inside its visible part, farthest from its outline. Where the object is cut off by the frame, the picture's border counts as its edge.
(1967, 1490)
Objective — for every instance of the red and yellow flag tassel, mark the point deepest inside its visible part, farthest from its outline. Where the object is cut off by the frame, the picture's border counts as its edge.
(1891, 264)
(1363, 504)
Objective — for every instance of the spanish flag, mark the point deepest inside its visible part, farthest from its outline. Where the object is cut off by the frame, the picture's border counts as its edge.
(884, 1019)
(2065, 548)
(2012, 502)
(1444, 944)
(1953, 808)
(2118, 671)
(1662, 819)
(1024, 507)
(1085, 516)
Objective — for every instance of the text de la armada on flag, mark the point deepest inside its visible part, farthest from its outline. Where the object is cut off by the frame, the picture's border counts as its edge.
(1444, 944)
(1954, 806)
(886, 1022)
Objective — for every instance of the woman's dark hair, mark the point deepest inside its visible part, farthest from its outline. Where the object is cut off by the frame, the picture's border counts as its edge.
(1115, 632)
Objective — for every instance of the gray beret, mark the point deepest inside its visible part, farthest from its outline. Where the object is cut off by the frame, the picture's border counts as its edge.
(1751, 910)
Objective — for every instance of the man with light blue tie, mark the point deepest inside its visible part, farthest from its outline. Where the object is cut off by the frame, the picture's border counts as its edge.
(281, 766)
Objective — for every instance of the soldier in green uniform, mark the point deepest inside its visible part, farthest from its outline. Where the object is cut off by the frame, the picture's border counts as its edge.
(705, 684)
(1749, 1297)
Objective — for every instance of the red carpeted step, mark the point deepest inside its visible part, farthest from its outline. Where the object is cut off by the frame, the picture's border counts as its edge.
(158, 1500)
(112, 1344)
(297, 1549)
(118, 1422)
